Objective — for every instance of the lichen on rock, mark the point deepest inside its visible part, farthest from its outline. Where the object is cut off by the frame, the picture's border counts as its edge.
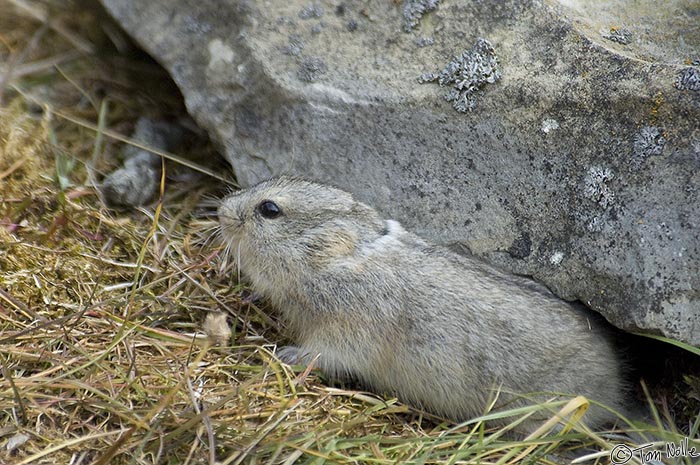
(311, 69)
(413, 11)
(467, 74)
(688, 79)
(648, 141)
(620, 35)
(596, 186)
(311, 11)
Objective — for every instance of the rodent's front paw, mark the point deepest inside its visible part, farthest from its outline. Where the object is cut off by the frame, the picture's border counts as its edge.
(293, 355)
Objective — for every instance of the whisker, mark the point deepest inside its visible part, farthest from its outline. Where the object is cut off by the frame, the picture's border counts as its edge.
(206, 214)
(230, 190)
(238, 260)
(226, 265)
(209, 200)
(213, 236)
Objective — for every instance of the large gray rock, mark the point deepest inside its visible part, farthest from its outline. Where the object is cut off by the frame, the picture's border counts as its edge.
(574, 156)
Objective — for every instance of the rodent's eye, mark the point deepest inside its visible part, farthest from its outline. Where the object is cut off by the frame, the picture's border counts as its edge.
(268, 209)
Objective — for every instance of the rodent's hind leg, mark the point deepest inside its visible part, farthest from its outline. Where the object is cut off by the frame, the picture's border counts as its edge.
(293, 355)
(310, 359)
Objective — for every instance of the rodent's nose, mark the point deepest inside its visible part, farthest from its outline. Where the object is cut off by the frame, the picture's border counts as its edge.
(228, 216)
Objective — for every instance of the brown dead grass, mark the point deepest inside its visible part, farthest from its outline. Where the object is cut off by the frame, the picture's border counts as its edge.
(101, 351)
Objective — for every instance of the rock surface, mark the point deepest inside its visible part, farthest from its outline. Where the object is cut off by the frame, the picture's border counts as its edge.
(575, 157)
(138, 181)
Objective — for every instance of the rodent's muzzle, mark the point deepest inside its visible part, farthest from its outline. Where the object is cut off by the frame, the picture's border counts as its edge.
(229, 218)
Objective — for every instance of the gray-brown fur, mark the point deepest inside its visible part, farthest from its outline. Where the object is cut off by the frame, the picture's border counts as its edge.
(381, 305)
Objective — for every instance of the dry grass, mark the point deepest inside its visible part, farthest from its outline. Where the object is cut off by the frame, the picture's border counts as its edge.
(101, 349)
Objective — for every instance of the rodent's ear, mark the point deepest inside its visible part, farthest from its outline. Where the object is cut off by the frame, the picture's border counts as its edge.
(335, 242)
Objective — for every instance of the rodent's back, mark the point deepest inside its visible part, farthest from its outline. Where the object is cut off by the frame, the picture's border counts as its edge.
(422, 314)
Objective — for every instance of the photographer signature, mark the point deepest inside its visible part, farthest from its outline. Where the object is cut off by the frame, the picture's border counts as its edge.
(622, 453)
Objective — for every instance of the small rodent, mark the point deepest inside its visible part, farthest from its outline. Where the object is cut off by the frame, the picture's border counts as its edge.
(380, 305)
